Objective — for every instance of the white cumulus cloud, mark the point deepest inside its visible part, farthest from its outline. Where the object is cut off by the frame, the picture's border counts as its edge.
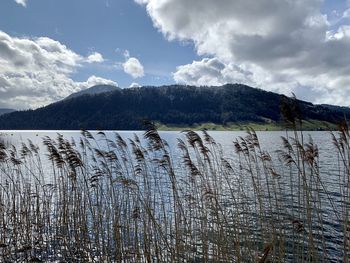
(93, 81)
(212, 72)
(134, 85)
(37, 71)
(95, 58)
(133, 67)
(21, 2)
(279, 45)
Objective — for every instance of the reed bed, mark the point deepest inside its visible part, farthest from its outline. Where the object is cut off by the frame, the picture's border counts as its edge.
(116, 200)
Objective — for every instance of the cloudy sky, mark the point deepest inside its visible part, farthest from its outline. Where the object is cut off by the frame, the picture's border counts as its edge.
(51, 48)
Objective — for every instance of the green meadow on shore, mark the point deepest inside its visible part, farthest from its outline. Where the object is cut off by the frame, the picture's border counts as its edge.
(307, 125)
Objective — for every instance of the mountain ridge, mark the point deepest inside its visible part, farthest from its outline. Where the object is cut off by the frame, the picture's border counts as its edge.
(5, 111)
(172, 105)
(94, 90)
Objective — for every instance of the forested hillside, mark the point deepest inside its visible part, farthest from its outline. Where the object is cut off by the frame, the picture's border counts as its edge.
(4, 111)
(124, 109)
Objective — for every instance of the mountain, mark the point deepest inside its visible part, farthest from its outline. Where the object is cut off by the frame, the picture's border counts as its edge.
(175, 105)
(343, 110)
(4, 111)
(93, 91)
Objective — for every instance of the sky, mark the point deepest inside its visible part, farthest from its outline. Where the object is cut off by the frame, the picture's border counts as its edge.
(52, 48)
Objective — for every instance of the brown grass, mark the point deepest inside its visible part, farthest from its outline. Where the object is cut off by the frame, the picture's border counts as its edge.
(111, 200)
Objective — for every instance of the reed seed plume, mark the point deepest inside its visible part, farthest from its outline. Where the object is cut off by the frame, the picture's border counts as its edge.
(106, 198)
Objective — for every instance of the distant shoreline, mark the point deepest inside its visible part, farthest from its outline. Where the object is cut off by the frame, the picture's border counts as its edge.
(307, 125)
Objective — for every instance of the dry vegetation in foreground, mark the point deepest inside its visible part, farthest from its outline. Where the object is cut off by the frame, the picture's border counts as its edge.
(111, 200)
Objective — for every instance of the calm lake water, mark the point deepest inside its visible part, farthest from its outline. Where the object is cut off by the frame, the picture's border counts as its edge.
(269, 140)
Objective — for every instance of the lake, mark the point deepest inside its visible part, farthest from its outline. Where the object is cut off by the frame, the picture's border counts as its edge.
(290, 204)
(270, 140)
